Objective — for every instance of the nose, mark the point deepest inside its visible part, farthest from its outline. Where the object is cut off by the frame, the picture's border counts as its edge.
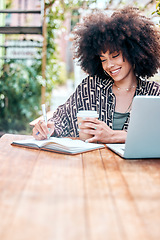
(109, 64)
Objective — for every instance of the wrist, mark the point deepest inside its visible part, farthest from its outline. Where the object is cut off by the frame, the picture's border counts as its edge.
(119, 136)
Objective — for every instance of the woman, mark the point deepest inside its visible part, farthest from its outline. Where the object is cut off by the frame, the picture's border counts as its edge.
(119, 53)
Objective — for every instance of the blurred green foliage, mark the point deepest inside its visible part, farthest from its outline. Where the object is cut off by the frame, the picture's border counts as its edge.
(19, 96)
(8, 3)
(20, 83)
(157, 11)
(157, 7)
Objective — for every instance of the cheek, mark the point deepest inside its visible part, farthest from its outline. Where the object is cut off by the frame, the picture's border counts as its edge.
(127, 67)
(120, 61)
(104, 66)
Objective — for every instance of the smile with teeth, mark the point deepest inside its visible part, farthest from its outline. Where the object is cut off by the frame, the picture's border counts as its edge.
(115, 71)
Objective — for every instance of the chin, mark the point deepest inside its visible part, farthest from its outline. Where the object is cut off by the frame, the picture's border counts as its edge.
(117, 79)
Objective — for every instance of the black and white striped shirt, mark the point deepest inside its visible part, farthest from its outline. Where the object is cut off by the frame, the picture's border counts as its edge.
(94, 94)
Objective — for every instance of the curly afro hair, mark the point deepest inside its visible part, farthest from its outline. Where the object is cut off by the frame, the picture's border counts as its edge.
(126, 30)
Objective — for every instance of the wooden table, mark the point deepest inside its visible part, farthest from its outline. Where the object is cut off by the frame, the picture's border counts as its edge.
(92, 196)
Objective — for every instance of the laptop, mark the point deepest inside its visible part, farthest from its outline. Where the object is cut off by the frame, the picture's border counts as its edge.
(143, 136)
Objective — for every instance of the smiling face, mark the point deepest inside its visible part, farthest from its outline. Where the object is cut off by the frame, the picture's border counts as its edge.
(117, 67)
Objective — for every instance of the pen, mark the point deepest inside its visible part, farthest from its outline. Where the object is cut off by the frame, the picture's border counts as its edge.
(44, 113)
(45, 117)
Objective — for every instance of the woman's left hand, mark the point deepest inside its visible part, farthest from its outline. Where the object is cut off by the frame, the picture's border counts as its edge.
(101, 132)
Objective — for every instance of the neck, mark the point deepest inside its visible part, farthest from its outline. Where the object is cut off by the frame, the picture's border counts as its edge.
(127, 88)
(127, 84)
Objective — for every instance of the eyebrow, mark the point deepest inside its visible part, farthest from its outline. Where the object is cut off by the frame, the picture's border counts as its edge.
(104, 56)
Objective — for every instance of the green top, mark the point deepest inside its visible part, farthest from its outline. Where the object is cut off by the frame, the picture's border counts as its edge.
(119, 120)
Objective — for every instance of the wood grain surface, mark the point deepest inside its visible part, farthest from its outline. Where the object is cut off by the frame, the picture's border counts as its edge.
(90, 196)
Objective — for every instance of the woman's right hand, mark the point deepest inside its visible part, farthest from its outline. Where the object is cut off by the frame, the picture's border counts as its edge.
(42, 130)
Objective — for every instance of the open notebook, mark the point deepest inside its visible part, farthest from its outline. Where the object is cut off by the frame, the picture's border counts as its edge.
(143, 137)
(61, 145)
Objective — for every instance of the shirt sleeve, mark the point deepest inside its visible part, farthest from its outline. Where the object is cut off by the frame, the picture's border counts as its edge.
(65, 117)
(154, 89)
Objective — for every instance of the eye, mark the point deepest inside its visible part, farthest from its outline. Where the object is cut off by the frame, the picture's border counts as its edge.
(114, 56)
(103, 60)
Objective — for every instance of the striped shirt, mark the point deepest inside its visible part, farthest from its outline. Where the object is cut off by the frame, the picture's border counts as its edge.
(94, 93)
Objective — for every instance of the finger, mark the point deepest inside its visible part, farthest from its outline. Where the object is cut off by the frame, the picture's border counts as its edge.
(39, 131)
(92, 140)
(44, 128)
(37, 135)
(88, 125)
(51, 127)
(93, 120)
(88, 131)
(41, 128)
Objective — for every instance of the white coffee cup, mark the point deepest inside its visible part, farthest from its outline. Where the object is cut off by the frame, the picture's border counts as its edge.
(81, 115)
